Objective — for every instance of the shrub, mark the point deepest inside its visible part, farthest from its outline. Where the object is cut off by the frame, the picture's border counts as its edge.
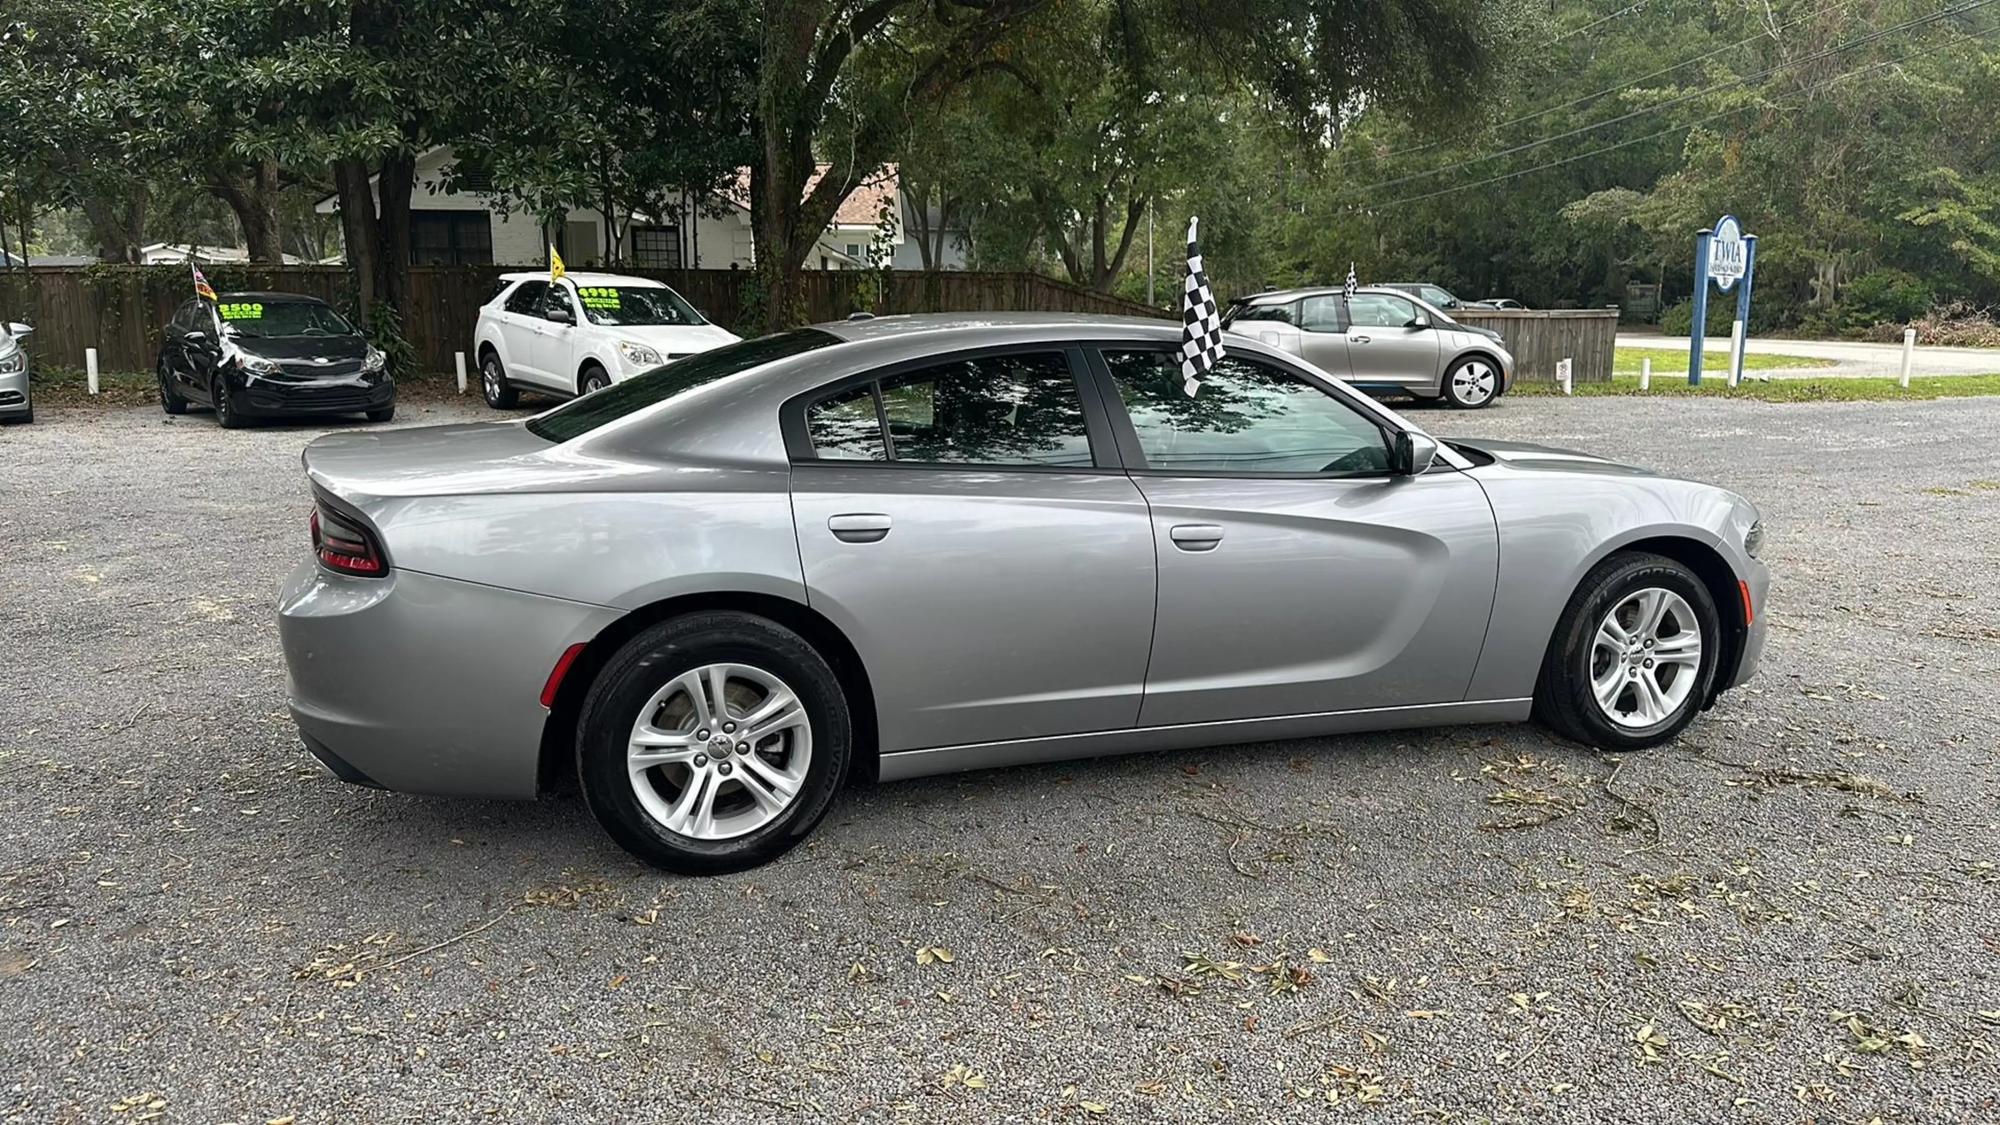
(1678, 320)
(1880, 297)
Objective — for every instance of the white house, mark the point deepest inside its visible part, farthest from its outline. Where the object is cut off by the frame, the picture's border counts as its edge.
(469, 227)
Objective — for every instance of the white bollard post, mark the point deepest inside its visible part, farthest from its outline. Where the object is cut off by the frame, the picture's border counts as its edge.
(1909, 353)
(1563, 368)
(1735, 352)
(90, 368)
(459, 359)
(1646, 374)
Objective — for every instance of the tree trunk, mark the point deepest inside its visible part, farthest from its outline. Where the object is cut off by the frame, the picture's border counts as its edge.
(253, 196)
(396, 183)
(116, 225)
(357, 231)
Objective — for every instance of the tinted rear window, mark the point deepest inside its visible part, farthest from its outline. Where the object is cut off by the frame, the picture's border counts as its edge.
(580, 416)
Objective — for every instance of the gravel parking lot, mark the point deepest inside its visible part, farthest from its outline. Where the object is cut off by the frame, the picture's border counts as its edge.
(1791, 916)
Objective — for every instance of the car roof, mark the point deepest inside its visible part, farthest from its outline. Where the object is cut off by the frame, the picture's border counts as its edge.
(269, 296)
(587, 277)
(1280, 296)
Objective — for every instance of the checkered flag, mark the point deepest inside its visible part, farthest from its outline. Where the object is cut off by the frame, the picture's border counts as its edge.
(1201, 321)
(1347, 290)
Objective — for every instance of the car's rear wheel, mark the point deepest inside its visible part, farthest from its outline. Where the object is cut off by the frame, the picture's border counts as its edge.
(1634, 655)
(713, 742)
(1471, 383)
(592, 378)
(500, 394)
(170, 402)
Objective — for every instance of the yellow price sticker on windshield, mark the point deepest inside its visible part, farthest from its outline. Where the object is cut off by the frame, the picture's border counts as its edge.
(240, 310)
(598, 296)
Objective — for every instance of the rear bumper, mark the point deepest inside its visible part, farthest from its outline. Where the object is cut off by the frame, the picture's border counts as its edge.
(255, 397)
(424, 684)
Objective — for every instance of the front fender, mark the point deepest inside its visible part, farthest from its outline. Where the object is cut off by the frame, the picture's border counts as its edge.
(1555, 526)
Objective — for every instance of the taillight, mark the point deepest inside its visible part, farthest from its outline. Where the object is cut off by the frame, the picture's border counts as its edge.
(343, 545)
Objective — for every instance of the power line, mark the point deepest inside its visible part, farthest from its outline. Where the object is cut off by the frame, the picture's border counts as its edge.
(1836, 79)
(1828, 9)
(1915, 22)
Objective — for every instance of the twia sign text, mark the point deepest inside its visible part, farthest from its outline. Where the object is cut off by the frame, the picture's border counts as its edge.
(1728, 257)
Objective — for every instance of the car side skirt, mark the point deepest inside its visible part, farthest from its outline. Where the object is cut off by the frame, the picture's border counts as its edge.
(1056, 748)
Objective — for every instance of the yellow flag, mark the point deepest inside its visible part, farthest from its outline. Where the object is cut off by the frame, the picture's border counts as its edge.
(556, 270)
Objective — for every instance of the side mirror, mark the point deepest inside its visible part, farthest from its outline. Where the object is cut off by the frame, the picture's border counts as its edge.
(1411, 453)
(1421, 320)
(19, 330)
(561, 314)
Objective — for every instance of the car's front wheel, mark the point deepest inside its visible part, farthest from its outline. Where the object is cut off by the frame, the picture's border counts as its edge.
(593, 378)
(1471, 383)
(713, 742)
(1633, 656)
(225, 410)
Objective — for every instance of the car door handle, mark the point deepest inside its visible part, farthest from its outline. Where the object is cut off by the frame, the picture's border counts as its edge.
(1197, 536)
(1357, 339)
(858, 527)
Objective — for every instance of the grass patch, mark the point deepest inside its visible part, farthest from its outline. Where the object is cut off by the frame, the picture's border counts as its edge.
(1626, 361)
(1786, 390)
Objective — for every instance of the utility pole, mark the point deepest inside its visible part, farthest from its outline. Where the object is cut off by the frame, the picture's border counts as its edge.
(1149, 251)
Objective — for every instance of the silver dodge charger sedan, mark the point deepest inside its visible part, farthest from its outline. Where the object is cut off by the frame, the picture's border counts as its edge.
(911, 545)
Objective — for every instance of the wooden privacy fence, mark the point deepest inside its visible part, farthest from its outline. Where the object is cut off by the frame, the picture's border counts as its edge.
(1540, 337)
(120, 310)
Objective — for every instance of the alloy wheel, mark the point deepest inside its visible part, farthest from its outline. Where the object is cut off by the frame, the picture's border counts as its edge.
(720, 751)
(1473, 382)
(1645, 658)
(489, 378)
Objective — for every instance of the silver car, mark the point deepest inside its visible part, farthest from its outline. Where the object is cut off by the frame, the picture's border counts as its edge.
(912, 545)
(1381, 340)
(17, 400)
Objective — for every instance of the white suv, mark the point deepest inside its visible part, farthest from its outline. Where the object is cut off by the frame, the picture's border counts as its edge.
(582, 333)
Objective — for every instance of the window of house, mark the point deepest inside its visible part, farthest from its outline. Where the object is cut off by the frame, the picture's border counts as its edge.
(656, 247)
(451, 238)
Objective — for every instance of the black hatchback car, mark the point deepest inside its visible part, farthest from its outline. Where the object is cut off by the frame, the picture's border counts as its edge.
(263, 355)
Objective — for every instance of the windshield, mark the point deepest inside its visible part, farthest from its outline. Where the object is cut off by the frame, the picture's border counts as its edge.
(582, 415)
(251, 319)
(635, 305)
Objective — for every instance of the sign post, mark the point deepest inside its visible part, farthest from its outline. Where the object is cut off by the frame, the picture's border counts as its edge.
(1722, 255)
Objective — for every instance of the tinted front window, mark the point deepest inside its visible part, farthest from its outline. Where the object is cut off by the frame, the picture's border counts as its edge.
(1246, 417)
(526, 299)
(582, 415)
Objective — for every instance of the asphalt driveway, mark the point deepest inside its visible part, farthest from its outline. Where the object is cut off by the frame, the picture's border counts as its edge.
(1791, 916)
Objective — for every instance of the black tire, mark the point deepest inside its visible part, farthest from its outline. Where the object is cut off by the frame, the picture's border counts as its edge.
(1462, 398)
(1564, 700)
(383, 415)
(170, 402)
(225, 414)
(650, 661)
(500, 394)
(592, 378)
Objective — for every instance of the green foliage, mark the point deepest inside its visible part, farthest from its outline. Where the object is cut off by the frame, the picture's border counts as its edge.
(1876, 297)
(1678, 319)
